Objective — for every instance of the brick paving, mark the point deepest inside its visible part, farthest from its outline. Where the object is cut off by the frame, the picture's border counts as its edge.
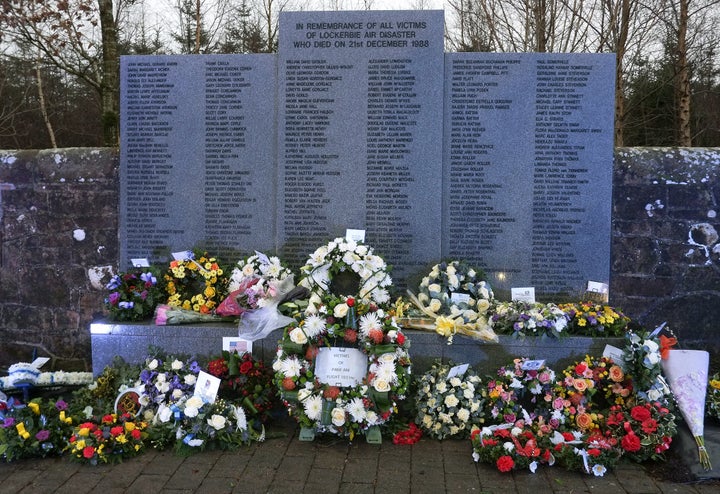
(327, 465)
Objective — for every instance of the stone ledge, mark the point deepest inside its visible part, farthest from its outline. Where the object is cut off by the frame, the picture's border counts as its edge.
(131, 342)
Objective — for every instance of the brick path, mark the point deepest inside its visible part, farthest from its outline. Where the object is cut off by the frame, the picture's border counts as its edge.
(327, 465)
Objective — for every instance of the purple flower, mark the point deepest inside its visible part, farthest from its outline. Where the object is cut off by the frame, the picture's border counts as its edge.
(8, 422)
(42, 435)
(114, 283)
(148, 278)
(114, 297)
(143, 295)
(61, 405)
(194, 367)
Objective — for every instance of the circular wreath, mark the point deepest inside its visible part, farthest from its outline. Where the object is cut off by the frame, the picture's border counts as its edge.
(456, 290)
(520, 395)
(349, 268)
(586, 388)
(195, 284)
(132, 296)
(258, 266)
(346, 411)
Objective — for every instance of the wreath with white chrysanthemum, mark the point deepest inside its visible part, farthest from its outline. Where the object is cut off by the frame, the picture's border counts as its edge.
(341, 321)
(197, 283)
(258, 265)
(347, 259)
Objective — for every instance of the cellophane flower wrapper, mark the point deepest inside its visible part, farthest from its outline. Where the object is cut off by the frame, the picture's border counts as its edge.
(687, 374)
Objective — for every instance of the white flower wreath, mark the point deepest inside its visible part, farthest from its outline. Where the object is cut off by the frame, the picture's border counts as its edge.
(351, 409)
(341, 255)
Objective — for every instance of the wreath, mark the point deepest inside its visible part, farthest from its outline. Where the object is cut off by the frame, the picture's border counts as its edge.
(354, 326)
(457, 298)
(520, 393)
(132, 296)
(195, 284)
(347, 267)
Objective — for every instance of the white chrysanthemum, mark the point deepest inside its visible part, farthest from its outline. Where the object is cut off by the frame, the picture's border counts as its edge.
(240, 418)
(318, 257)
(386, 371)
(369, 322)
(356, 409)
(380, 295)
(314, 325)
(313, 407)
(290, 366)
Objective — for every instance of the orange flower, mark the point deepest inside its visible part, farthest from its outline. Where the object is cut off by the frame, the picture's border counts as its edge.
(616, 374)
(580, 384)
(584, 420)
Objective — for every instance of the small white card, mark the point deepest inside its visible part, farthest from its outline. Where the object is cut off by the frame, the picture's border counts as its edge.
(598, 287)
(235, 344)
(533, 365)
(140, 262)
(458, 370)
(183, 255)
(339, 366)
(523, 294)
(615, 354)
(459, 298)
(355, 235)
(207, 387)
(39, 362)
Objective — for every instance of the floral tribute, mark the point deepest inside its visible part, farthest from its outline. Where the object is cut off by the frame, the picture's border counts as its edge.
(641, 360)
(258, 266)
(325, 407)
(166, 379)
(590, 319)
(457, 298)
(643, 431)
(38, 428)
(449, 401)
(198, 283)
(109, 439)
(712, 397)
(247, 380)
(133, 296)
(343, 258)
(520, 319)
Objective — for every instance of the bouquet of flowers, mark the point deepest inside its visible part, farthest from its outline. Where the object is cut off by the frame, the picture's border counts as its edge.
(190, 425)
(590, 319)
(643, 431)
(449, 401)
(166, 379)
(248, 380)
(169, 315)
(133, 296)
(641, 360)
(511, 447)
(260, 267)
(38, 429)
(521, 319)
(593, 453)
(108, 440)
(457, 298)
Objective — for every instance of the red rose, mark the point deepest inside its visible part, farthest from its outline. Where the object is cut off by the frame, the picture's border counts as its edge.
(116, 431)
(473, 434)
(640, 413)
(631, 443)
(505, 463)
(88, 452)
(246, 367)
(594, 452)
(108, 419)
(350, 302)
(136, 434)
(400, 339)
(580, 368)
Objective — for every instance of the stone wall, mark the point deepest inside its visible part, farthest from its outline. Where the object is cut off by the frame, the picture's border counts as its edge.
(58, 235)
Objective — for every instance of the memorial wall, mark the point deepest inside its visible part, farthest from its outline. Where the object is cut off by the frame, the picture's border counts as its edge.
(361, 121)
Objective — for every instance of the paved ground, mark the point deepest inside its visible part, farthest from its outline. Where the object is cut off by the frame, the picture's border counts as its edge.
(327, 465)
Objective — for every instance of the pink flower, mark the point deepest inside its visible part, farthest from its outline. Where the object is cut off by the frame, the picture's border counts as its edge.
(161, 315)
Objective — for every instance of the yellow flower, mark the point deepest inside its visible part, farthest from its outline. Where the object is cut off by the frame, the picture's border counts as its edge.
(121, 439)
(715, 384)
(80, 444)
(34, 407)
(186, 305)
(84, 431)
(582, 322)
(129, 426)
(445, 326)
(209, 292)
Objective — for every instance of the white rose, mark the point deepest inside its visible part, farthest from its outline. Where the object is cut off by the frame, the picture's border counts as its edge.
(423, 298)
(508, 446)
(340, 310)
(177, 393)
(191, 411)
(303, 394)
(453, 281)
(148, 415)
(194, 401)
(434, 288)
(451, 270)
(381, 385)
(338, 416)
(451, 401)
(435, 305)
(190, 379)
(176, 365)
(164, 414)
(463, 414)
(217, 422)
(153, 364)
(298, 336)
